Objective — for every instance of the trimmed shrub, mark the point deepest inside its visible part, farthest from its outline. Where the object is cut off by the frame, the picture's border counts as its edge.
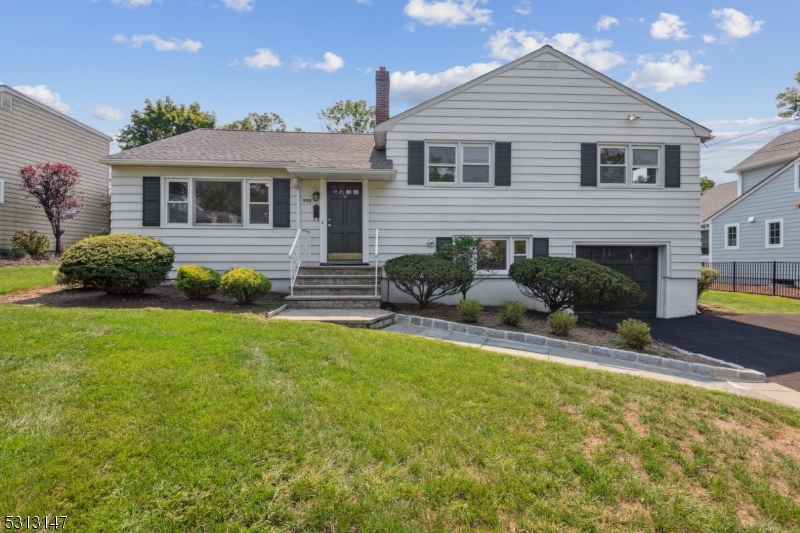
(245, 284)
(426, 278)
(511, 312)
(573, 283)
(707, 277)
(32, 242)
(635, 333)
(469, 310)
(197, 282)
(561, 322)
(12, 254)
(120, 264)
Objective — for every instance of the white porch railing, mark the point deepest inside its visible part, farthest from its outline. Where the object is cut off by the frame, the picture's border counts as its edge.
(297, 255)
(376, 262)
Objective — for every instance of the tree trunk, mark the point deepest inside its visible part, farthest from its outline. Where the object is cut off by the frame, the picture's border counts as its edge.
(58, 233)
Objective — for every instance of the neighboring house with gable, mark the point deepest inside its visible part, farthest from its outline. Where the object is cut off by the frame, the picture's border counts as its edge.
(542, 156)
(31, 132)
(714, 200)
(762, 223)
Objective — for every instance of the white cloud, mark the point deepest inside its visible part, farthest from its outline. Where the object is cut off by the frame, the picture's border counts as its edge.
(42, 94)
(133, 3)
(104, 112)
(606, 22)
(448, 12)
(330, 63)
(412, 88)
(239, 5)
(708, 39)
(509, 44)
(736, 24)
(677, 68)
(159, 44)
(669, 26)
(524, 7)
(262, 59)
(299, 63)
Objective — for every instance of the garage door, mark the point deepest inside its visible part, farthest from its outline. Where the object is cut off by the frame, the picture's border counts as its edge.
(636, 262)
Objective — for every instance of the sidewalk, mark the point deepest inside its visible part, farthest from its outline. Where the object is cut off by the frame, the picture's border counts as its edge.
(765, 391)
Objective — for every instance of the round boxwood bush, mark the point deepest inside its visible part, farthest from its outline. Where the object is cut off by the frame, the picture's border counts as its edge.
(245, 284)
(635, 333)
(511, 312)
(561, 322)
(573, 283)
(197, 282)
(707, 278)
(469, 310)
(120, 264)
(425, 277)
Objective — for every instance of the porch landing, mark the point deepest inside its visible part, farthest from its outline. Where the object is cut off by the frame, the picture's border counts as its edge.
(354, 318)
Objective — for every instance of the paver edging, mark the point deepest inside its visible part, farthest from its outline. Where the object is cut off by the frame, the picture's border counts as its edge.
(698, 369)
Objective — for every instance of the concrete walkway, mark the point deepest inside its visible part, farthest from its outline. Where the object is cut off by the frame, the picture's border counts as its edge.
(765, 391)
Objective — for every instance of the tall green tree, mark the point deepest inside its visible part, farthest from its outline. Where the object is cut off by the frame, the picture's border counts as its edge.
(161, 120)
(706, 184)
(349, 117)
(258, 122)
(790, 99)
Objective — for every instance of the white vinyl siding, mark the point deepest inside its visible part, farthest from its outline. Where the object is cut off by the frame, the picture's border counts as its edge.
(29, 135)
(546, 114)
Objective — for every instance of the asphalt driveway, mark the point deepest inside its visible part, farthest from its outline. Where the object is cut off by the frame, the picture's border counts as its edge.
(769, 343)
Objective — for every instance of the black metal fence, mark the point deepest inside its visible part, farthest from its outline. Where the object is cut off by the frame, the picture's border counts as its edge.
(774, 278)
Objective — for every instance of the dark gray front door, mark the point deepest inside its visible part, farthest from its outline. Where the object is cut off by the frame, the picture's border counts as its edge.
(344, 222)
(637, 262)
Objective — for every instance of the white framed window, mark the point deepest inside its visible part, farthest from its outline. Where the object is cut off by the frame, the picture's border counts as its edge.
(773, 230)
(218, 202)
(521, 249)
(630, 165)
(465, 164)
(731, 236)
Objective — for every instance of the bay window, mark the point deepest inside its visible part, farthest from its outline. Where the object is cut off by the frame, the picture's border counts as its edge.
(629, 165)
(218, 202)
(459, 164)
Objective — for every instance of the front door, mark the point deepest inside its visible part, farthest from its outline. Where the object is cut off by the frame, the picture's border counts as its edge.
(344, 222)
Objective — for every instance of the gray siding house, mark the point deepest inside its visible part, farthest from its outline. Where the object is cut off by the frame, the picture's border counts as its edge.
(31, 132)
(541, 156)
(762, 224)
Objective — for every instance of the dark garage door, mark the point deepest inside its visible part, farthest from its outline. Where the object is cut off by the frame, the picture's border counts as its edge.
(636, 262)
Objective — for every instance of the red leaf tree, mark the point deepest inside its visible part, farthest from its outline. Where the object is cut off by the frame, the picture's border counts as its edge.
(55, 186)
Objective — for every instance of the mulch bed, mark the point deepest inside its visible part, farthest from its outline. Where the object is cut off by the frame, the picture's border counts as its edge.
(161, 297)
(586, 331)
(29, 261)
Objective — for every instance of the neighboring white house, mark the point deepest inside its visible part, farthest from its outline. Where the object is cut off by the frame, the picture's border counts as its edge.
(31, 132)
(762, 223)
(541, 156)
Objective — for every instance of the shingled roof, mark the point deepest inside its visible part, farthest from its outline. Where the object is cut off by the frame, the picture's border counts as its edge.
(716, 198)
(295, 149)
(780, 148)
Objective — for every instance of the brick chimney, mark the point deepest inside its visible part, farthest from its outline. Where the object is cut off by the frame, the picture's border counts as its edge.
(381, 95)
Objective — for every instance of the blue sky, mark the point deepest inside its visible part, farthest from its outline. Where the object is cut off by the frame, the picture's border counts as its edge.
(719, 63)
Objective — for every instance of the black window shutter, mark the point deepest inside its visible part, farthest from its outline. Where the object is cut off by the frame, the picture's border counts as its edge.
(151, 201)
(588, 164)
(416, 162)
(541, 247)
(672, 165)
(502, 164)
(281, 200)
(441, 241)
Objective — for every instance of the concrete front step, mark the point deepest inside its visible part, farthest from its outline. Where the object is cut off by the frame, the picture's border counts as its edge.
(313, 279)
(335, 290)
(354, 318)
(343, 270)
(333, 301)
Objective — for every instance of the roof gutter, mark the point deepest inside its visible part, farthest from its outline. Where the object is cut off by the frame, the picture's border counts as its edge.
(193, 163)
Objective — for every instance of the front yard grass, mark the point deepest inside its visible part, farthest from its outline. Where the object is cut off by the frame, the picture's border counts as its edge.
(17, 278)
(742, 303)
(162, 420)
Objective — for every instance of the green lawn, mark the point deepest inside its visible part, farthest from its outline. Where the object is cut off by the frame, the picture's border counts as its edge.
(738, 302)
(149, 420)
(18, 278)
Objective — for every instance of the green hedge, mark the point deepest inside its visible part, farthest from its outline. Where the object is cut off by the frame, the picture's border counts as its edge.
(245, 284)
(119, 264)
(425, 277)
(197, 282)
